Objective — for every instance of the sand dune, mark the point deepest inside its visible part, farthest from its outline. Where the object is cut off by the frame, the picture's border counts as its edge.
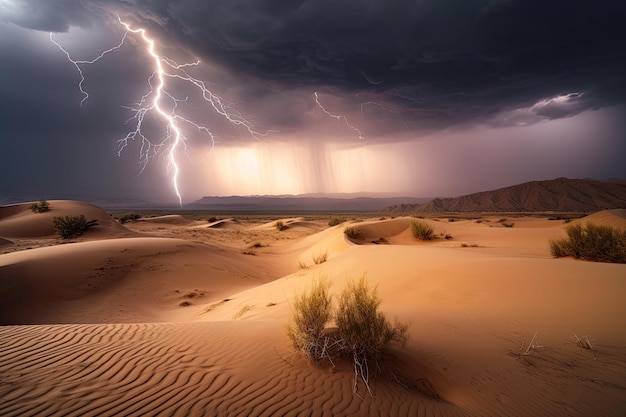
(613, 218)
(171, 326)
(19, 221)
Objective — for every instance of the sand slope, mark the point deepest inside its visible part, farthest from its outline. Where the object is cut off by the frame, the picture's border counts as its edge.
(189, 327)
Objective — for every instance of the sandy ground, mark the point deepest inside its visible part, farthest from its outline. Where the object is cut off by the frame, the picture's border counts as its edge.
(172, 315)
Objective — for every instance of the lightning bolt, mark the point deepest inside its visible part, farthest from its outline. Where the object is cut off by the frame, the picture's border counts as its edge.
(340, 118)
(158, 99)
(78, 63)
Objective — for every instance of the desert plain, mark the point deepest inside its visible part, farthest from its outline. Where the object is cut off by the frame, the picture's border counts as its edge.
(172, 315)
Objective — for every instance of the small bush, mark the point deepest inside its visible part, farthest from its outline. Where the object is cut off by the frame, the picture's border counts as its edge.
(311, 311)
(421, 230)
(211, 219)
(352, 232)
(40, 207)
(130, 217)
(363, 330)
(72, 226)
(508, 224)
(334, 221)
(280, 225)
(593, 243)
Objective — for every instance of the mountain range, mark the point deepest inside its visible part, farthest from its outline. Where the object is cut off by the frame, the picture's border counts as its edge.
(560, 194)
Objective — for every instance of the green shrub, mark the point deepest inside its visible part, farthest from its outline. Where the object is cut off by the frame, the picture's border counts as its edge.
(334, 221)
(129, 217)
(363, 330)
(422, 230)
(311, 311)
(72, 226)
(40, 207)
(592, 242)
(352, 232)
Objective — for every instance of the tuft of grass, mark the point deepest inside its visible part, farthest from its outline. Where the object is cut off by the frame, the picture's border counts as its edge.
(312, 310)
(352, 232)
(334, 221)
(592, 242)
(505, 224)
(280, 226)
(40, 207)
(212, 219)
(363, 330)
(422, 230)
(72, 226)
(320, 258)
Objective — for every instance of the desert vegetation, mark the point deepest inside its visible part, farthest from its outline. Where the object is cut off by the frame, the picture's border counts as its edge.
(40, 207)
(363, 332)
(70, 227)
(129, 217)
(352, 232)
(334, 221)
(591, 242)
(312, 310)
(280, 225)
(422, 230)
(320, 258)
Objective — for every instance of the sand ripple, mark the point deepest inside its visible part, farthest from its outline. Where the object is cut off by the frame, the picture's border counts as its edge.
(177, 370)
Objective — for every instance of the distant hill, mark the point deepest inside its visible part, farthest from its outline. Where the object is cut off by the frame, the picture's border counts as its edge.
(561, 194)
(298, 203)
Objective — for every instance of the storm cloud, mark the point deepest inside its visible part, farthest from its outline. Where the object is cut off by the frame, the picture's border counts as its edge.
(464, 58)
(399, 70)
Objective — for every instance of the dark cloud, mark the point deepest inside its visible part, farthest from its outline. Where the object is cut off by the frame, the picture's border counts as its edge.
(463, 58)
(469, 57)
(399, 70)
(49, 16)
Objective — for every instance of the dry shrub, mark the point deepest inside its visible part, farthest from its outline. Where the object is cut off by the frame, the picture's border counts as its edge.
(422, 230)
(334, 221)
(311, 311)
(40, 207)
(352, 232)
(363, 330)
(592, 242)
(72, 226)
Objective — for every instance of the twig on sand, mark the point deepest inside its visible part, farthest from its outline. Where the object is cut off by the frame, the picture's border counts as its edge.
(281, 356)
(529, 349)
(585, 343)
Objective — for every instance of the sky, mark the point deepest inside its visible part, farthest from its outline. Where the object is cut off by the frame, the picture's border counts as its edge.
(420, 98)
